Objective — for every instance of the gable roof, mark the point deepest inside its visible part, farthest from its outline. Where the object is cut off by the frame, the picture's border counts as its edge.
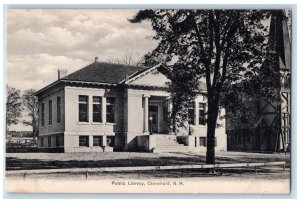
(140, 74)
(101, 72)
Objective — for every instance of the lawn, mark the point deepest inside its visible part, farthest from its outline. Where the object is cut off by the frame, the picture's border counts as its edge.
(27, 161)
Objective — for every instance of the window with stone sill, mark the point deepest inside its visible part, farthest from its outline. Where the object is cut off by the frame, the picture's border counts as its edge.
(110, 109)
(83, 108)
(97, 106)
(191, 113)
(43, 115)
(202, 113)
(50, 112)
(58, 110)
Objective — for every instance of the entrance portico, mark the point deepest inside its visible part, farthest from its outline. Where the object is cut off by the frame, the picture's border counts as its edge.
(140, 104)
(156, 114)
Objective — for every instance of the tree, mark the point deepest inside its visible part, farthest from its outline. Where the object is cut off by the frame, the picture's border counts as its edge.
(31, 105)
(13, 106)
(225, 47)
(128, 59)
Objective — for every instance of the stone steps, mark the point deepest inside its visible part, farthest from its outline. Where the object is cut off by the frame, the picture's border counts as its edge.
(168, 143)
(171, 150)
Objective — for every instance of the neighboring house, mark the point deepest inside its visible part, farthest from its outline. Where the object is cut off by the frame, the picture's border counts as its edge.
(272, 131)
(109, 106)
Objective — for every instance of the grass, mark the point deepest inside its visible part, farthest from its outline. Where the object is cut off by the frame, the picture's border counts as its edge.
(27, 161)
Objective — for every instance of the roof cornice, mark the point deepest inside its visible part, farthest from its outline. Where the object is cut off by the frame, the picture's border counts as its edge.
(92, 83)
(66, 82)
(47, 87)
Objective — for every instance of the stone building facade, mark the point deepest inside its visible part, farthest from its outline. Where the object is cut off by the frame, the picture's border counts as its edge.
(111, 107)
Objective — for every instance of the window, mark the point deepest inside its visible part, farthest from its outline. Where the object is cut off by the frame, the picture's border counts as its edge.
(110, 141)
(57, 141)
(202, 119)
(203, 141)
(58, 110)
(83, 108)
(97, 141)
(42, 142)
(191, 113)
(43, 114)
(49, 141)
(83, 141)
(110, 109)
(97, 109)
(50, 112)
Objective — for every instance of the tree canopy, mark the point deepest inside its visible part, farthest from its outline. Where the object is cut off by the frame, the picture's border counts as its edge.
(224, 47)
(30, 103)
(13, 106)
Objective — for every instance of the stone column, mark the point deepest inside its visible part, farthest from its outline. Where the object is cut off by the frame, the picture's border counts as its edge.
(103, 112)
(196, 112)
(146, 114)
(170, 106)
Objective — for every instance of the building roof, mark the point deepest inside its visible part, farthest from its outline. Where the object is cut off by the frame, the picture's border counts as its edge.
(101, 72)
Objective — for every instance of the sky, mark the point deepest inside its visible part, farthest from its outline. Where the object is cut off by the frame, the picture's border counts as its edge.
(41, 41)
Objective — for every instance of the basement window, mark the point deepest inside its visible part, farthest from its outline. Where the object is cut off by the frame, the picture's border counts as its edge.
(84, 141)
(97, 141)
(203, 141)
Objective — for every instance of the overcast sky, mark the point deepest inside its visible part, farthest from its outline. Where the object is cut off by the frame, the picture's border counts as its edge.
(39, 42)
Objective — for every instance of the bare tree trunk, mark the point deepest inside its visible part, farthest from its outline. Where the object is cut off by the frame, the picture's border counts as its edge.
(212, 116)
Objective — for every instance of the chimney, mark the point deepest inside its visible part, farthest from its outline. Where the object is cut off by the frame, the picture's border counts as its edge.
(61, 73)
(96, 59)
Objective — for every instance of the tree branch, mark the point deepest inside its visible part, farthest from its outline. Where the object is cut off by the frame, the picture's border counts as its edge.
(202, 53)
(216, 27)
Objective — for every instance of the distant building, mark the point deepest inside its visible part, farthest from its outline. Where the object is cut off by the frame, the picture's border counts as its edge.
(272, 131)
(20, 140)
(21, 133)
(109, 106)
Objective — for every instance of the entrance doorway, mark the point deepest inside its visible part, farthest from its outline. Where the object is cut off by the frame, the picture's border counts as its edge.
(153, 124)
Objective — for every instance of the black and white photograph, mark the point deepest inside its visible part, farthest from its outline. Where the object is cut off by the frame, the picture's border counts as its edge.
(165, 101)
